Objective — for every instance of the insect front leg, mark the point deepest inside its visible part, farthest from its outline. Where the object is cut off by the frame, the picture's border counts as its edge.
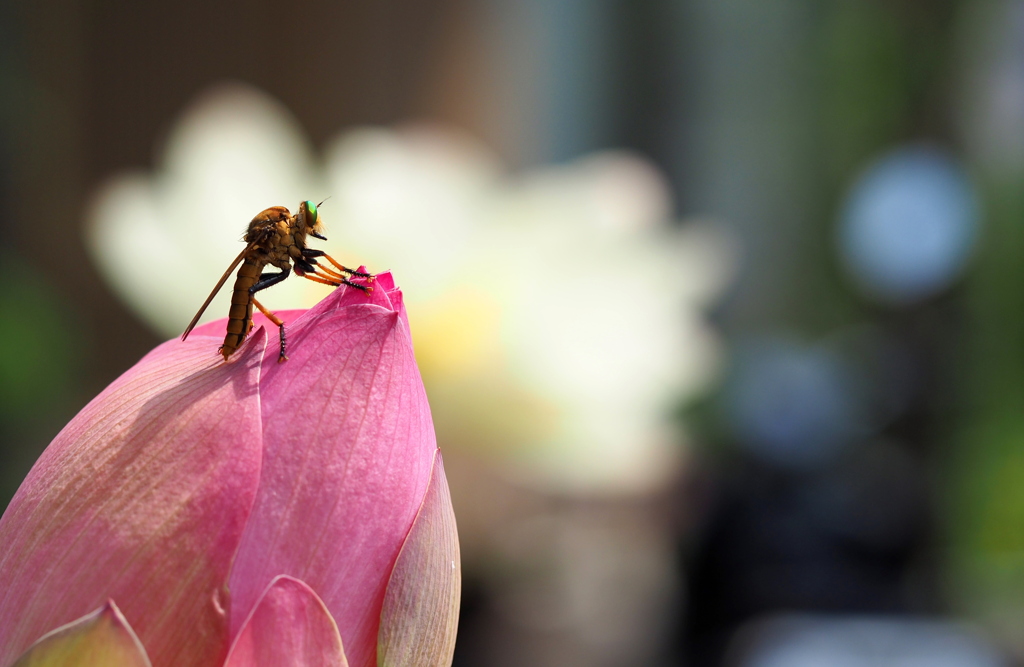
(307, 267)
(304, 266)
(312, 252)
(334, 280)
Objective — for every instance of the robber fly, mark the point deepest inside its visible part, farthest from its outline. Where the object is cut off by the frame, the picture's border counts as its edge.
(278, 238)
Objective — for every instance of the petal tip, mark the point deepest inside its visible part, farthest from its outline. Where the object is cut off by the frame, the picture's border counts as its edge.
(102, 638)
(289, 625)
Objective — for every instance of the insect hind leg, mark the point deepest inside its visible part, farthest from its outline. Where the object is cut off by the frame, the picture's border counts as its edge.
(280, 328)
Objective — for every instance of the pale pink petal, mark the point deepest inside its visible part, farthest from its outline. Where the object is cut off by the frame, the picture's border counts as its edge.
(421, 608)
(290, 626)
(141, 498)
(349, 449)
(100, 639)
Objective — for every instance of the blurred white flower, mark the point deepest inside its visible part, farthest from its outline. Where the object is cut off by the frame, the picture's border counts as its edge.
(162, 240)
(557, 314)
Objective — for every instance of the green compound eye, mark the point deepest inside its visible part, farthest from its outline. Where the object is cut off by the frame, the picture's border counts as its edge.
(312, 212)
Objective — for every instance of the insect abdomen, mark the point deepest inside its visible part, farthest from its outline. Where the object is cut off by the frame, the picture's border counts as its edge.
(240, 314)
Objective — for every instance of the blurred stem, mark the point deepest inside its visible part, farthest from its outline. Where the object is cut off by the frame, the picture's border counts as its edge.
(987, 503)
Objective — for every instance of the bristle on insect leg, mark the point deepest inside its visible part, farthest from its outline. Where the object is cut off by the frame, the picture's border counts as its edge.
(346, 281)
(365, 288)
(281, 357)
(320, 278)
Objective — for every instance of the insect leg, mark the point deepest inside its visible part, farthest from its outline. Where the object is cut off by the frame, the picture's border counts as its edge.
(308, 259)
(304, 267)
(312, 252)
(320, 278)
(324, 271)
(280, 327)
(267, 279)
(309, 266)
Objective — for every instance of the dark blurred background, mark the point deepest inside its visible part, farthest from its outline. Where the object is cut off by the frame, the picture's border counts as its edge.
(854, 483)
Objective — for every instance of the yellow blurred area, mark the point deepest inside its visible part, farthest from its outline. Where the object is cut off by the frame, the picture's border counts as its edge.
(458, 334)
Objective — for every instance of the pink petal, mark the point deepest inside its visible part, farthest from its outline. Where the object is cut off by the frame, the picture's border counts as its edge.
(289, 626)
(384, 294)
(215, 330)
(348, 453)
(100, 639)
(142, 498)
(421, 608)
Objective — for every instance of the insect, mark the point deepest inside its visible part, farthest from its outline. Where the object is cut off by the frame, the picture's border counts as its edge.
(278, 238)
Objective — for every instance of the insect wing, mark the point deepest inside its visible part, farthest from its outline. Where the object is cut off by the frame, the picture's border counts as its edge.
(216, 288)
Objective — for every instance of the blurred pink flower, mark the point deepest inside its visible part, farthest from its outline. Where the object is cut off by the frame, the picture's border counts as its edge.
(243, 513)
